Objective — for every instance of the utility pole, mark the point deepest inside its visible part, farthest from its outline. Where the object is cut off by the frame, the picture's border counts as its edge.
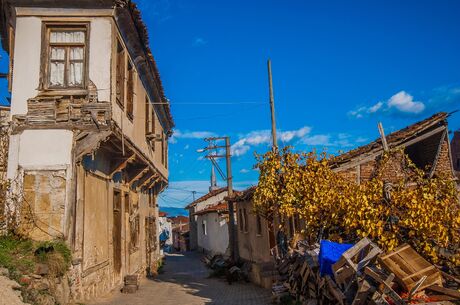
(212, 146)
(272, 104)
(193, 195)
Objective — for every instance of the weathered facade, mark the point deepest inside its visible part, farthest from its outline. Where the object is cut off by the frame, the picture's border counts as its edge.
(211, 198)
(89, 130)
(212, 229)
(255, 240)
(180, 233)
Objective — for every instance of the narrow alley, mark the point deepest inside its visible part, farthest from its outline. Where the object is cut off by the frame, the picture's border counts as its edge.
(185, 280)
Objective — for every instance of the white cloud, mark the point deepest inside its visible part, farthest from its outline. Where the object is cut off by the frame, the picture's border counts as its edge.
(244, 171)
(198, 42)
(287, 136)
(323, 140)
(263, 137)
(375, 108)
(190, 135)
(401, 101)
(405, 102)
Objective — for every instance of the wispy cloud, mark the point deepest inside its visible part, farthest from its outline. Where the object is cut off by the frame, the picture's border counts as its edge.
(190, 135)
(302, 135)
(263, 137)
(199, 41)
(244, 171)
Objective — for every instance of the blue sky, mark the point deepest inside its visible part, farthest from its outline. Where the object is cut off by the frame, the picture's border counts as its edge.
(338, 68)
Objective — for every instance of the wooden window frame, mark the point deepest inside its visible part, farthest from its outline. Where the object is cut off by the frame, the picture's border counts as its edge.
(258, 225)
(147, 115)
(120, 64)
(130, 91)
(245, 215)
(241, 220)
(45, 72)
(204, 227)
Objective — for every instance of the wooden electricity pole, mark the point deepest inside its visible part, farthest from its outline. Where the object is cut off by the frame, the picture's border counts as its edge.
(272, 104)
(231, 210)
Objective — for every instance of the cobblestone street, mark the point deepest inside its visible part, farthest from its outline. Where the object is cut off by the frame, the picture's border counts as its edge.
(185, 281)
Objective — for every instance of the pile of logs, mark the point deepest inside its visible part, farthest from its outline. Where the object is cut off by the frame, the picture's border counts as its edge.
(364, 275)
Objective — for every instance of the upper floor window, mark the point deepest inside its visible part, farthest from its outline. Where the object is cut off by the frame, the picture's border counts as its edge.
(120, 75)
(130, 92)
(66, 57)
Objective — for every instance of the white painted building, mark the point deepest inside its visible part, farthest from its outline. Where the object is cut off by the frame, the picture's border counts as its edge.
(212, 233)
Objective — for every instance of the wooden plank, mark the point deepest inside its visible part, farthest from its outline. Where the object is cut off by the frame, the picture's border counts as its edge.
(364, 290)
(450, 292)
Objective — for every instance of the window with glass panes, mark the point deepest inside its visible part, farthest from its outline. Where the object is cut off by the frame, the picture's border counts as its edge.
(66, 55)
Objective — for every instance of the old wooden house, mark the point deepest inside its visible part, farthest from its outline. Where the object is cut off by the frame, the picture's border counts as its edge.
(426, 143)
(89, 134)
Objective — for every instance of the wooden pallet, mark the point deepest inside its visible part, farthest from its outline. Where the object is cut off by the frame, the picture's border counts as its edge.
(409, 267)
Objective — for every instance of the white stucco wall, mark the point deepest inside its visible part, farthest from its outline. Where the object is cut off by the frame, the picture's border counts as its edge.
(210, 201)
(216, 239)
(26, 62)
(41, 148)
(100, 45)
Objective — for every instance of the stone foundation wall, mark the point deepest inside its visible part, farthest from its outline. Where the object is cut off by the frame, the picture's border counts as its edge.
(43, 206)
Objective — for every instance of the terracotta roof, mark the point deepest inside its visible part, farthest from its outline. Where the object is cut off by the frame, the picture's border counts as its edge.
(162, 214)
(179, 219)
(394, 139)
(207, 196)
(221, 207)
(244, 195)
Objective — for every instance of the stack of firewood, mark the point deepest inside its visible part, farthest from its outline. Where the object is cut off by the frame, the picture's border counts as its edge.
(365, 275)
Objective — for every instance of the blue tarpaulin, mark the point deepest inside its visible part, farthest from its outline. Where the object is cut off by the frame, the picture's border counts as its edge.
(329, 254)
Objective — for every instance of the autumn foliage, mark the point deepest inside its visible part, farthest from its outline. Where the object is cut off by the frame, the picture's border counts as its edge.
(409, 207)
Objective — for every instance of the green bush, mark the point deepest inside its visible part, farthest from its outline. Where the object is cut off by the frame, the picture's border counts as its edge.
(18, 254)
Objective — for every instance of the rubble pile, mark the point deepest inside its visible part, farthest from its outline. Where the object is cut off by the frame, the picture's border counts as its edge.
(363, 274)
(223, 266)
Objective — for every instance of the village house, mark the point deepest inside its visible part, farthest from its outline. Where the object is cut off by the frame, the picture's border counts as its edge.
(181, 233)
(212, 231)
(214, 196)
(90, 124)
(426, 143)
(256, 239)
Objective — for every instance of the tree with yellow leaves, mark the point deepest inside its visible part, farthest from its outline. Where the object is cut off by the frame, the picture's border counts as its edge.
(409, 207)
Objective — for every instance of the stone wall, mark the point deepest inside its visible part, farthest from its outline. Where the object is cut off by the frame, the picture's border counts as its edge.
(42, 212)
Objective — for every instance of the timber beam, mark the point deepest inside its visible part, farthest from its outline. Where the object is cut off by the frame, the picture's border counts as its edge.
(122, 165)
(138, 175)
(153, 183)
(148, 180)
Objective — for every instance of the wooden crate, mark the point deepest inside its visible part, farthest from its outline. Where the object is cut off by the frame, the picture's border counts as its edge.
(354, 260)
(409, 267)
